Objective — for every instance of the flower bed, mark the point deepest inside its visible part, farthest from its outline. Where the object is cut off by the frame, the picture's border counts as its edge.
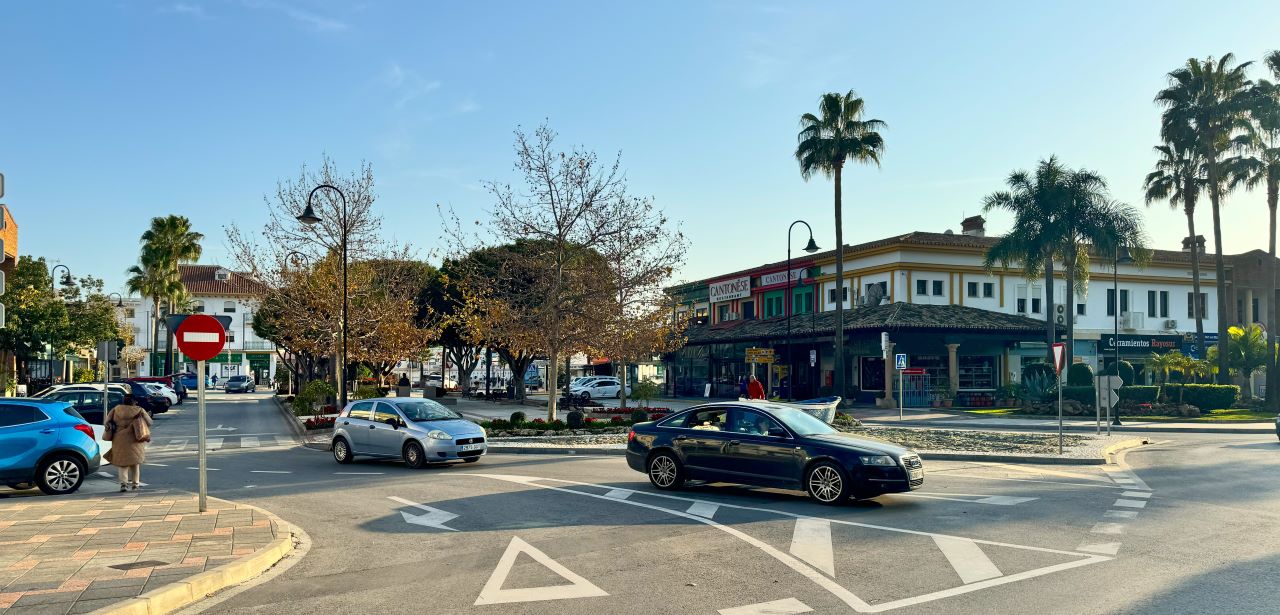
(319, 422)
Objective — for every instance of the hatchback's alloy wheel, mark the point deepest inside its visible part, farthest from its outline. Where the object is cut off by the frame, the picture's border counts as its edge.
(826, 484)
(62, 476)
(414, 457)
(341, 451)
(664, 472)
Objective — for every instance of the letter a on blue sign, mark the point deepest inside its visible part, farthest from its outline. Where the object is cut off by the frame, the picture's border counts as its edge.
(900, 361)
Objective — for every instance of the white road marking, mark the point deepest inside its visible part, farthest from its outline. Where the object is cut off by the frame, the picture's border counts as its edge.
(703, 509)
(158, 465)
(1106, 548)
(221, 428)
(284, 441)
(1027, 480)
(804, 570)
(270, 472)
(434, 518)
(213, 444)
(105, 475)
(1121, 514)
(811, 542)
(249, 442)
(359, 473)
(1107, 528)
(619, 494)
(1131, 503)
(790, 606)
(206, 469)
(996, 500)
(1045, 471)
(967, 558)
(492, 593)
(1136, 494)
(176, 445)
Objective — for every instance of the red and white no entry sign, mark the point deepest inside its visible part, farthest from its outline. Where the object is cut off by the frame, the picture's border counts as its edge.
(201, 337)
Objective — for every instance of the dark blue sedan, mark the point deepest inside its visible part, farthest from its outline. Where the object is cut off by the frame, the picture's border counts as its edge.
(769, 445)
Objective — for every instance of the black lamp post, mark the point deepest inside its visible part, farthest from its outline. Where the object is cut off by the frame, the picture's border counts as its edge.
(789, 304)
(1121, 256)
(119, 299)
(53, 285)
(309, 217)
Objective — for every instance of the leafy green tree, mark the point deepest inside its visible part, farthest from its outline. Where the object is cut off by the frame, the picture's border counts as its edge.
(1246, 350)
(1179, 178)
(33, 313)
(1208, 103)
(825, 142)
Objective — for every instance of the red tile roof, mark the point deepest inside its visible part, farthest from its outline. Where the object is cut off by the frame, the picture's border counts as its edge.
(202, 281)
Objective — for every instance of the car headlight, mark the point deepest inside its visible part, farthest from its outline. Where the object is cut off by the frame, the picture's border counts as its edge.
(878, 460)
(436, 434)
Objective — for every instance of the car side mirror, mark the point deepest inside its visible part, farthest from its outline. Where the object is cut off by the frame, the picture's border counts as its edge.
(394, 423)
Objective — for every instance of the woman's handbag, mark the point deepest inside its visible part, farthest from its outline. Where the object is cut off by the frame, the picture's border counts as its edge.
(142, 429)
(109, 431)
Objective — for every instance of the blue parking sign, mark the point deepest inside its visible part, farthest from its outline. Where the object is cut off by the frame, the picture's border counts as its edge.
(900, 361)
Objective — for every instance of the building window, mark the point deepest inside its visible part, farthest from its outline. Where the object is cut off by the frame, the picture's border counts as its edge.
(1255, 310)
(977, 373)
(1080, 309)
(1151, 304)
(831, 294)
(773, 305)
(1192, 308)
(1124, 300)
(1035, 305)
(802, 301)
(937, 288)
(922, 287)
(700, 312)
(231, 336)
(748, 310)
(971, 289)
(988, 290)
(199, 307)
(129, 313)
(722, 313)
(1164, 304)
(1022, 299)
(1111, 301)
(229, 306)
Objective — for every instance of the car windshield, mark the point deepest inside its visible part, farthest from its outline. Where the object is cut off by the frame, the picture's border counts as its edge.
(800, 422)
(419, 411)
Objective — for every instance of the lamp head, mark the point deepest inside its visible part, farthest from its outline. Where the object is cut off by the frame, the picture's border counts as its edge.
(812, 247)
(308, 216)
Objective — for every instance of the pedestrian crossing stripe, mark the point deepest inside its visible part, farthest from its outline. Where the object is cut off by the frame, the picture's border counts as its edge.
(178, 445)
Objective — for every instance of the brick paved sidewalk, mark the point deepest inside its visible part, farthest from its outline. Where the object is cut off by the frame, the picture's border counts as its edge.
(79, 553)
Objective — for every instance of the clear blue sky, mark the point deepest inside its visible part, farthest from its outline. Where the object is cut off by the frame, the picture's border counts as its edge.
(114, 112)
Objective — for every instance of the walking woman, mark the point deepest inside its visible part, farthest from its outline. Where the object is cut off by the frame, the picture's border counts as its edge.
(130, 428)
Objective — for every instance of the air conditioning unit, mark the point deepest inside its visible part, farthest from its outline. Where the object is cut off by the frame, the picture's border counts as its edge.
(1171, 324)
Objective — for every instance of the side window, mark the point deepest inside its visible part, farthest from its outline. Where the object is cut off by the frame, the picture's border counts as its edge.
(711, 419)
(12, 415)
(362, 410)
(385, 413)
(754, 423)
(93, 399)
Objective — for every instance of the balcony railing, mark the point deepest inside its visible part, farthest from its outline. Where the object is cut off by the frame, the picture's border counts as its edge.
(258, 345)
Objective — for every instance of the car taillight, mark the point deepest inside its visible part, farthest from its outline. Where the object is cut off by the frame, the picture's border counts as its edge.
(631, 435)
(84, 429)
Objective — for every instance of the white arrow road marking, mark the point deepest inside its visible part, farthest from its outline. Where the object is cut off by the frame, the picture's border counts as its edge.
(492, 593)
(995, 500)
(790, 606)
(811, 542)
(221, 428)
(967, 558)
(434, 518)
(836, 590)
(1106, 548)
(703, 509)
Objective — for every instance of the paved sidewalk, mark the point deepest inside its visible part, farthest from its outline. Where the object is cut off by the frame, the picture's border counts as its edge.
(80, 553)
(933, 418)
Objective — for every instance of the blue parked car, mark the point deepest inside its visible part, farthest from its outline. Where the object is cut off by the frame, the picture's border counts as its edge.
(189, 381)
(46, 443)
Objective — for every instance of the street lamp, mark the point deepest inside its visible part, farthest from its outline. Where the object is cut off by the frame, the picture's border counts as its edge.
(308, 218)
(789, 304)
(53, 285)
(119, 299)
(1121, 256)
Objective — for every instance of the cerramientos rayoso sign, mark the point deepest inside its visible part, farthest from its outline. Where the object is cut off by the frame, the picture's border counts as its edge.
(1142, 344)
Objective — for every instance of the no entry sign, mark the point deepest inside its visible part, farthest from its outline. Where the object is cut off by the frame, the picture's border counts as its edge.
(201, 337)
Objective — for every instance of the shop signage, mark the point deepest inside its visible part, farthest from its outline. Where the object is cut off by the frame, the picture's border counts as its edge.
(760, 355)
(729, 289)
(1141, 344)
(780, 277)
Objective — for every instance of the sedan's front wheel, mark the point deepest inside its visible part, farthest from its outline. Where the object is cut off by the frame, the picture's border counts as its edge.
(827, 483)
(414, 457)
(665, 472)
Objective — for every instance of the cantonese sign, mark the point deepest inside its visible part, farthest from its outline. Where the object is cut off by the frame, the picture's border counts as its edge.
(1141, 344)
(728, 290)
(780, 277)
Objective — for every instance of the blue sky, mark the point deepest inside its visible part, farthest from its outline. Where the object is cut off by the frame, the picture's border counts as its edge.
(114, 112)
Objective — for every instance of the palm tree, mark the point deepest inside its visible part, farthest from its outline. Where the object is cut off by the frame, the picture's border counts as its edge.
(170, 242)
(1265, 148)
(1210, 101)
(149, 280)
(1036, 202)
(823, 145)
(1178, 177)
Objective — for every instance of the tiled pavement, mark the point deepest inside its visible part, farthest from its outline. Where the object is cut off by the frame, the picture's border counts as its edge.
(76, 554)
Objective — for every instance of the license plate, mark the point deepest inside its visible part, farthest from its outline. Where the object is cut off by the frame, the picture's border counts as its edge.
(917, 474)
(470, 447)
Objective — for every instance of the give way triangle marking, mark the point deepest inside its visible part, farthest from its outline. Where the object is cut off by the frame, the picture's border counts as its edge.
(492, 593)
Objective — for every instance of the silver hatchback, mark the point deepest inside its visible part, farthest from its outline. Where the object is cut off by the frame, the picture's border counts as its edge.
(419, 431)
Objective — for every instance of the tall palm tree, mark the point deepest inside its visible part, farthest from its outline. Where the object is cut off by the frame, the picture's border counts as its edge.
(823, 145)
(1036, 202)
(1265, 149)
(149, 280)
(1179, 178)
(1211, 101)
(169, 241)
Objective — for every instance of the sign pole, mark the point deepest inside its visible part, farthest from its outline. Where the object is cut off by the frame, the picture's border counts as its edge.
(900, 395)
(1059, 413)
(204, 480)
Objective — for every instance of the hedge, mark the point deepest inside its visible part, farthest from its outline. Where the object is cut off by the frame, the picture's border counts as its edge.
(1080, 375)
(1084, 394)
(1139, 394)
(1206, 397)
(1126, 372)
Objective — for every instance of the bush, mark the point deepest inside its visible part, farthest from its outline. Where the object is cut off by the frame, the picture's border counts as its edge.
(639, 416)
(1126, 372)
(366, 392)
(1036, 370)
(518, 417)
(85, 374)
(310, 395)
(1206, 397)
(557, 425)
(1139, 394)
(645, 390)
(499, 424)
(1080, 375)
(575, 420)
(1038, 387)
(1083, 394)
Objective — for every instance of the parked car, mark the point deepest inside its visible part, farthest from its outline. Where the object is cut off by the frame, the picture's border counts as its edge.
(116, 387)
(45, 443)
(172, 381)
(599, 387)
(88, 403)
(192, 383)
(152, 402)
(240, 384)
(419, 431)
(436, 380)
(168, 393)
(769, 445)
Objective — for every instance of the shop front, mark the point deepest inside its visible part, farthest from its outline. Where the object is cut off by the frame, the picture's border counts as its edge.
(1137, 350)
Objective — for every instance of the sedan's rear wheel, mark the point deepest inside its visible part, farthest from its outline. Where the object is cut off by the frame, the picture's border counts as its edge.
(665, 471)
(60, 475)
(827, 483)
(414, 457)
(342, 451)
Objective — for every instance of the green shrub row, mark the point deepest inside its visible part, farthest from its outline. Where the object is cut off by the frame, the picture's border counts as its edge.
(1206, 397)
(1079, 375)
(1139, 394)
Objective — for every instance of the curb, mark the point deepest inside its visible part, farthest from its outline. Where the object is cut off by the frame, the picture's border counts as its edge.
(190, 590)
(963, 426)
(615, 452)
(1117, 450)
(297, 430)
(547, 450)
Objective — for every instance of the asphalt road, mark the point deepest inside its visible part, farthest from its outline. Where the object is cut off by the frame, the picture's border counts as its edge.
(1192, 527)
